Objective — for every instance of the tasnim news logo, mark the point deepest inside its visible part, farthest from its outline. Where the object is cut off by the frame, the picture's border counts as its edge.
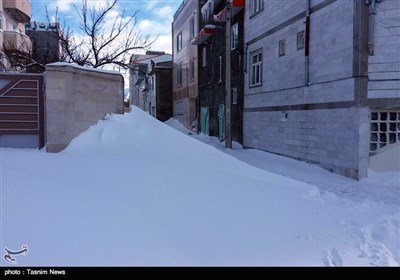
(9, 256)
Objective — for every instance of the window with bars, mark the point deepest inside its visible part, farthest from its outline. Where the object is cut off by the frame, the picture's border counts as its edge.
(385, 129)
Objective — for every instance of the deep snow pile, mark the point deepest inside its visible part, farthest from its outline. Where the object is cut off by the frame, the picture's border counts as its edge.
(379, 186)
(133, 191)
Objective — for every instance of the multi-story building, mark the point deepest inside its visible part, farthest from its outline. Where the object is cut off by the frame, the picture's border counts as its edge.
(46, 46)
(185, 63)
(151, 84)
(13, 16)
(323, 82)
(211, 40)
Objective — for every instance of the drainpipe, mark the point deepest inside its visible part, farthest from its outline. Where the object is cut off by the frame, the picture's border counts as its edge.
(371, 28)
(228, 82)
(307, 45)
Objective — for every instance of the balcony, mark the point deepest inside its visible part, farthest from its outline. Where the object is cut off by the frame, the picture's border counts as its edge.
(20, 10)
(17, 40)
(203, 35)
(236, 6)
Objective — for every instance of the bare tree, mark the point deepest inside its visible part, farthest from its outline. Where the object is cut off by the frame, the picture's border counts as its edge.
(104, 38)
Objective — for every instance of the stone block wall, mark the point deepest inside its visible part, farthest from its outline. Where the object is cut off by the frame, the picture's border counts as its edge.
(316, 121)
(76, 98)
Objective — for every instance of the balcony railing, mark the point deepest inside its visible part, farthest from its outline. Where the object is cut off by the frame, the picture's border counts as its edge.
(16, 40)
(19, 9)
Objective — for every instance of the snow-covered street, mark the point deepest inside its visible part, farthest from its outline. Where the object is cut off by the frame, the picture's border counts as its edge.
(133, 191)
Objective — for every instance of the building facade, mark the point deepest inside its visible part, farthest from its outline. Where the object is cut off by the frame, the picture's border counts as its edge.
(322, 82)
(46, 46)
(185, 65)
(151, 84)
(13, 16)
(211, 40)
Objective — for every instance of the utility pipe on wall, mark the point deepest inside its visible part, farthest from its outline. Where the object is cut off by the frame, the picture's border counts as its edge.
(371, 27)
(307, 45)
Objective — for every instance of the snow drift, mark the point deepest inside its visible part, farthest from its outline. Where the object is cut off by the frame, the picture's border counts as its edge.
(133, 191)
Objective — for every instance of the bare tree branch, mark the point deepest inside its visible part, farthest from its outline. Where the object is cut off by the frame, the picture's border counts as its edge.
(104, 38)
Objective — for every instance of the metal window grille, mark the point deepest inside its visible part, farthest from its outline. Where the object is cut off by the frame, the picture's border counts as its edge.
(385, 129)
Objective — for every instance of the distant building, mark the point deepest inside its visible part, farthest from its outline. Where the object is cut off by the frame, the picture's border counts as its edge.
(13, 15)
(211, 42)
(323, 82)
(45, 42)
(151, 83)
(185, 63)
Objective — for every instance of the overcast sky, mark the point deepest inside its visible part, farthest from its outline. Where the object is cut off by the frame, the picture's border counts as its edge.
(154, 18)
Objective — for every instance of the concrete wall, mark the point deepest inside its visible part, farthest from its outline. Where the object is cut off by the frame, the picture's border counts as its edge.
(387, 160)
(76, 98)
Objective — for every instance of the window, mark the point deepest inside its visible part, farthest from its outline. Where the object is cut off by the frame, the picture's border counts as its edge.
(258, 6)
(219, 70)
(191, 26)
(300, 40)
(234, 36)
(282, 47)
(179, 42)
(204, 57)
(192, 74)
(234, 95)
(179, 77)
(385, 129)
(256, 59)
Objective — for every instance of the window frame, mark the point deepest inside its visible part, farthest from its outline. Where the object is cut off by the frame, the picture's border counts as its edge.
(282, 48)
(301, 40)
(235, 36)
(192, 28)
(235, 96)
(192, 70)
(179, 42)
(257, 6)
(219, 70)
(179, 77)
(256, 68)
(204, 56)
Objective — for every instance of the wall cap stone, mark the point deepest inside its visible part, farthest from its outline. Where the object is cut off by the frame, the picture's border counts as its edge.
(68, 67)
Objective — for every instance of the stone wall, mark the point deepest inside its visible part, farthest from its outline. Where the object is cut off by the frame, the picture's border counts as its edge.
(76, 98)
(316, 121)
(384, 65)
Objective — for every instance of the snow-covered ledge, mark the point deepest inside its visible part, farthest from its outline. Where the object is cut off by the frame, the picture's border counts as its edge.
(76, 98)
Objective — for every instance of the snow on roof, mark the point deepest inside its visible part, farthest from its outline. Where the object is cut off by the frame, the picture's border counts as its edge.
(63, 64)
(148, 58)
